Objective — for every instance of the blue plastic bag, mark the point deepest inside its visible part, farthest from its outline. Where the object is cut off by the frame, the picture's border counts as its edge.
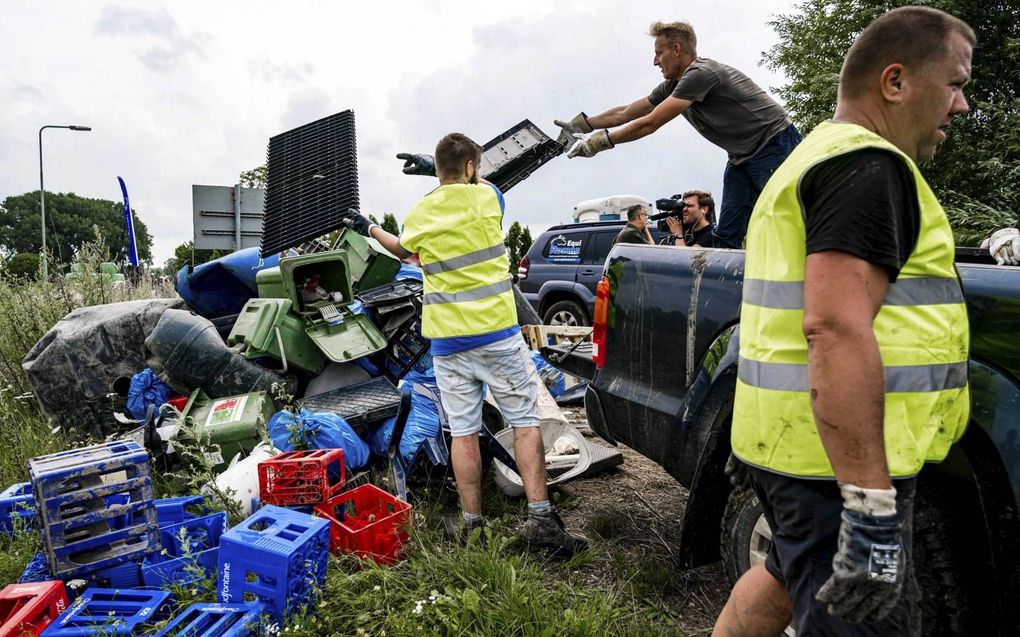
(318, 430)
(422, 423)
(552, 377)
(146, 389)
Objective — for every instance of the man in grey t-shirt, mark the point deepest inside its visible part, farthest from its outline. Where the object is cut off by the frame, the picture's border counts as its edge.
(720, 102)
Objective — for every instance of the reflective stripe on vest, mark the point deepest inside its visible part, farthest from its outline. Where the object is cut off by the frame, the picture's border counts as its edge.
(467, 289)
(898, 378)
(789, 295)
(921, 329)
(468, 295)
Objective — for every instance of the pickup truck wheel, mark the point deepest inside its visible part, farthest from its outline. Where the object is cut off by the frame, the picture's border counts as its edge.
(746, 537)
(566, 313)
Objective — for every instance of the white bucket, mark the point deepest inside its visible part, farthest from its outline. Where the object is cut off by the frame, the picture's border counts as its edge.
(564, 446)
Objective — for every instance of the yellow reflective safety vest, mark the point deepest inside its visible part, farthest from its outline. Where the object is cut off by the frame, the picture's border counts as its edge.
(921, 329)
(456, 230)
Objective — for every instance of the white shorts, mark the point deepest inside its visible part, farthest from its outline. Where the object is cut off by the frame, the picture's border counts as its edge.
(508, 370)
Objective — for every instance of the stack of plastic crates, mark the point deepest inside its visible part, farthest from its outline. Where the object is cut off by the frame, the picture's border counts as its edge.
(95, 507)
(277, 557)
(301, 478)
(109, 612)
(368, 522)
(26, 609)
(216, 620)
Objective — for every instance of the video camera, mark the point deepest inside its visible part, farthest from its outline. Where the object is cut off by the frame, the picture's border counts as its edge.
(669, 207)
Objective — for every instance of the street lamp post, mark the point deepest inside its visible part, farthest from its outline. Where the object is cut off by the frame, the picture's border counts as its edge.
(42, 190)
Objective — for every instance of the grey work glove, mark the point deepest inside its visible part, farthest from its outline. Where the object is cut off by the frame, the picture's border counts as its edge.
(357, 222)
(415, 164)
(579, 124)
(736, 471)
(590, 144)
(868, 569)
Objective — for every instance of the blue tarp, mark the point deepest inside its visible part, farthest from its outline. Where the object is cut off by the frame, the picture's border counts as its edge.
(146, 389)
(318, 431)
(222, 287)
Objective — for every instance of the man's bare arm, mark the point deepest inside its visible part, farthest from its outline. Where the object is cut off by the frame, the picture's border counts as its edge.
(842, 296)
(665, 112)
(389, 241)
(622, 114)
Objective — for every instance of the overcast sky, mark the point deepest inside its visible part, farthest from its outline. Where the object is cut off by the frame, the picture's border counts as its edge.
(189, 92)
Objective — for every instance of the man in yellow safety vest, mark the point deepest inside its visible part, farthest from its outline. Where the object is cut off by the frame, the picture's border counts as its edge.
(470, 316)
(853, 340)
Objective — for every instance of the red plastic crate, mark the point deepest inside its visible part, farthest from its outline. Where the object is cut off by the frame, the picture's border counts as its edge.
(368, 522)
(29, 608)
(298, 478)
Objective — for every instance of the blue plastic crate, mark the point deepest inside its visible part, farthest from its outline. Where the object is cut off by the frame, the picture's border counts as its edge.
(86, 523)
(110, 612)
(277, 557)
(17, 501)
(199, 533)
(180, 564)
(177, 510)
(216, 620)
(126, 575)
(161, 571)
(37, 570)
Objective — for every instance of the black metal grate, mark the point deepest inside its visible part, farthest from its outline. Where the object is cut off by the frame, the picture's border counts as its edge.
(312, 179)
(360, 405)
(512, 156)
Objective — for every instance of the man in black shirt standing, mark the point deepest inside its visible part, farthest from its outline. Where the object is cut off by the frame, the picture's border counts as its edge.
(697, 228)
(720, 102)
(853, 341)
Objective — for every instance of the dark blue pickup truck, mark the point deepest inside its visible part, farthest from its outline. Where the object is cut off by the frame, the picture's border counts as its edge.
(662, 382)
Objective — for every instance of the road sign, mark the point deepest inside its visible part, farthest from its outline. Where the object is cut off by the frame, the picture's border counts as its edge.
(227, 217)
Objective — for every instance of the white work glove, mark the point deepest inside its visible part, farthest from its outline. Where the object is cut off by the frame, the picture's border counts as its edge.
(589, 144)
(1004, 246)
(579, 124)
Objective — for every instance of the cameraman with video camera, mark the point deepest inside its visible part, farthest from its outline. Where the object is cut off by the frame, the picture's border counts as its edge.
(694, 225)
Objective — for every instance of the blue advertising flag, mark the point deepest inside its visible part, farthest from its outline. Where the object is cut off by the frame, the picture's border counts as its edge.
(129, 221)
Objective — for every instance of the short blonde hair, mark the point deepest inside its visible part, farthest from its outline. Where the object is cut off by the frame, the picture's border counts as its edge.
(681, 33)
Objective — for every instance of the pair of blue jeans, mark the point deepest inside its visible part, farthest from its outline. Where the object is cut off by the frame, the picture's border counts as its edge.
(742, 183)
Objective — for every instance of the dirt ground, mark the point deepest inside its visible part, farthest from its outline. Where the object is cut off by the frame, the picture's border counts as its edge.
(632, 514)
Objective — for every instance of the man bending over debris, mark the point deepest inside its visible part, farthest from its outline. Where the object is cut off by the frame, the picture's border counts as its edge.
(853, 351)
(469, 313)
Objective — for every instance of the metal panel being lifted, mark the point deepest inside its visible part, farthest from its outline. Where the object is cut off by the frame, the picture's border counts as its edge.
(512, 156)
(312, 179)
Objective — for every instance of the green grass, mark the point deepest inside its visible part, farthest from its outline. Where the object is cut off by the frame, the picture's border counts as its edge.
(439, 588)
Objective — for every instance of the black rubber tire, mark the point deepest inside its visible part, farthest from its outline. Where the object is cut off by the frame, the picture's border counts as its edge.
(742, 512)
(564, 308)
(943, 605)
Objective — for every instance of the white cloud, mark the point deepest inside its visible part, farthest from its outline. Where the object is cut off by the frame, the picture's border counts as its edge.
(190, 92)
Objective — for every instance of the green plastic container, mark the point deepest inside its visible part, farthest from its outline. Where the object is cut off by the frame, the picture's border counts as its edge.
(256, 328)
(331, 270)
(270, 284)
(370, 266)
(346, 336)
(234, 424)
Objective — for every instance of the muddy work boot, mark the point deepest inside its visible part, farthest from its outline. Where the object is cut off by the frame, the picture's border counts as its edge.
(546, 531)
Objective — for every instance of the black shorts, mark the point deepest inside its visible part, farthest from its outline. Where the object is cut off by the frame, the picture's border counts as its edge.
(804, 516)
